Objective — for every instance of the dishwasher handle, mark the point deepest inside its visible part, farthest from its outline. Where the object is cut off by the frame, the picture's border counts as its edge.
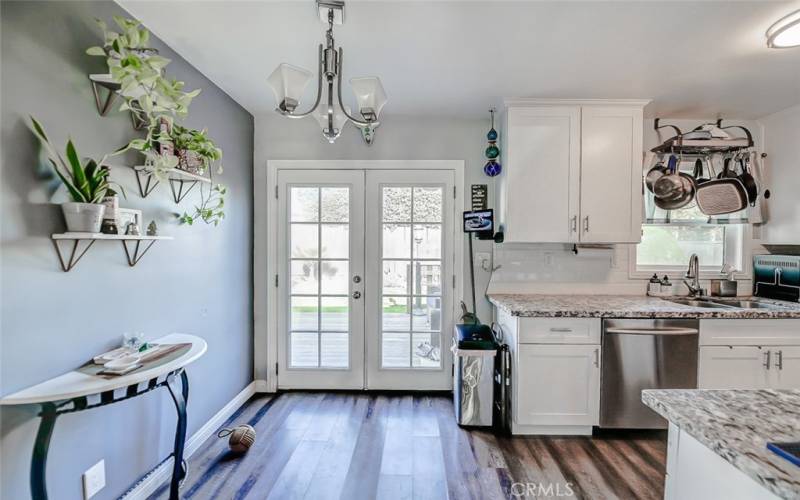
(653, 331)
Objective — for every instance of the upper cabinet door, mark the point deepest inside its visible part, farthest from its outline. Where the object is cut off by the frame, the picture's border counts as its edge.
(540, 184)
(611, 174)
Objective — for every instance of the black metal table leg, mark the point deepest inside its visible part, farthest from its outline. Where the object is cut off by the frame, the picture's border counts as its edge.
(179, 398)
(40, 447)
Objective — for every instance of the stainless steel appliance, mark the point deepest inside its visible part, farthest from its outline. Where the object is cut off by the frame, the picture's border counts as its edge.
(643, 354)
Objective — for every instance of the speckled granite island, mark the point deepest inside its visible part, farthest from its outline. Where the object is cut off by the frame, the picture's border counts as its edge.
(627, 306)
(717, 442)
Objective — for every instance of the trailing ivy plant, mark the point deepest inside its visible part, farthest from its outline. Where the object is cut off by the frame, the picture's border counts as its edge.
(197, 141)
(210, 209)
(139, 71)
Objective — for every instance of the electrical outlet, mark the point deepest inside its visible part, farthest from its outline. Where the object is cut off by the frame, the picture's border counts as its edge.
(94, 479)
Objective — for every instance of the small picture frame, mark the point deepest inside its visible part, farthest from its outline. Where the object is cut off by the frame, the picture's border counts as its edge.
(127, 215)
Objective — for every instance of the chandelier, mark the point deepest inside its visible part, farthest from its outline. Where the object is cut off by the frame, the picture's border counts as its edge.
(288, 82)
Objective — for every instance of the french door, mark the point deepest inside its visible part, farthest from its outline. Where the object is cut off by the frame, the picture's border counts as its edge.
(365, 278)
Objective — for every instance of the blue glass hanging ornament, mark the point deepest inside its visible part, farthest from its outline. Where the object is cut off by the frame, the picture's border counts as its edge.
(492, 167)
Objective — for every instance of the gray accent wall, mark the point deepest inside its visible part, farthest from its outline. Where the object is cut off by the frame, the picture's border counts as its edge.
(200, 283)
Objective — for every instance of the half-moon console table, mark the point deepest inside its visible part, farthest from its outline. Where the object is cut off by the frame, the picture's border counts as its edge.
(85, 388)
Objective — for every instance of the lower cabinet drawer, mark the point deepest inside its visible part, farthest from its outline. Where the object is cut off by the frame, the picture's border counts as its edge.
(559, 330)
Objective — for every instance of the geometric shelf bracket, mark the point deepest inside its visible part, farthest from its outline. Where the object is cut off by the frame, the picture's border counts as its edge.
(135, 257)
(73, 260)
(137, 121)
(103, 105)
(149, 185)
(180, 193)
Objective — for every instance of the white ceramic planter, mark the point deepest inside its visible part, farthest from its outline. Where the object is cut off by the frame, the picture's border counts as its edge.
(83, 217)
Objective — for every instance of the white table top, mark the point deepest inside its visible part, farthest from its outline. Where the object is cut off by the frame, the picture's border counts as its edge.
(76, 384)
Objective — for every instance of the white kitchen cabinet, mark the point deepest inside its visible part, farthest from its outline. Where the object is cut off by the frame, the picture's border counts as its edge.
(785, 367)
(539, 194)
(733, 367)
(572, 171)
(559, 385)
(749, 354)
(611, 174)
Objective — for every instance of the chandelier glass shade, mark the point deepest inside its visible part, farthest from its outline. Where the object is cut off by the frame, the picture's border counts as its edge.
(289, 83)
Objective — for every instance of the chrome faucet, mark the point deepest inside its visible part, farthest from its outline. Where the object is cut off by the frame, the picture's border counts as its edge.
(693, 273)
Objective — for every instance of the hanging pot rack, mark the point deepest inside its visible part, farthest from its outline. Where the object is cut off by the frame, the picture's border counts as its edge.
(680, 145)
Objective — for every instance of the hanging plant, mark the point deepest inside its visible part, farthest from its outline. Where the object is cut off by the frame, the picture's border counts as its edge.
(139, 71)
(210, 209)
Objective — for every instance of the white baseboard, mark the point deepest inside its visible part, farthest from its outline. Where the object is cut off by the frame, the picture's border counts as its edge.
(156, 477)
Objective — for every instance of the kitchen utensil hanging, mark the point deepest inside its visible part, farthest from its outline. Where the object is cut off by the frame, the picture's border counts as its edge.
(747, 179)
(675, 189)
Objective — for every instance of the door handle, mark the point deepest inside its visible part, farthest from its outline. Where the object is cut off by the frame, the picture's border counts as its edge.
(356, 295)
(597, 358)
(574, 224)
(765, 364)
(586, 224)
(779, 360)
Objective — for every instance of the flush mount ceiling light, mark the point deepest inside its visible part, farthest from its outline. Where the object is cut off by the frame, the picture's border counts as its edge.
(785, 33)
(288, 83)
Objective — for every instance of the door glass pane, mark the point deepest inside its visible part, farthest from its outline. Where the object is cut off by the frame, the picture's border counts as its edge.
(395, 277)
(396, 350)
(411, 278)
(427, 204)
(426, 350)
(396, 241)
(335, 241)
(304, 349)
(335, 204)
(335, 277)
(427, 278)
(334, 350)
(335, 314)
(427, 241)
(304, 242)
(426, 313)
(396, 314)
(304, 277)
(319, 305)
(304, 314)
(396, 204)
(304, 204)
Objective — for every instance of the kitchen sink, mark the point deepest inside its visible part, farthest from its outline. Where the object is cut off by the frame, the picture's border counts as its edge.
(700, 303)
(747, 304)
(724, 303)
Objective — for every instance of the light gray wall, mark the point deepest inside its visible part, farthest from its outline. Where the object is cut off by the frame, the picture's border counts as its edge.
(200, 283)
(398, 138)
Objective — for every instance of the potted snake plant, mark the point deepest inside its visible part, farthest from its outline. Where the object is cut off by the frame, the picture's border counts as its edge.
(86, 183)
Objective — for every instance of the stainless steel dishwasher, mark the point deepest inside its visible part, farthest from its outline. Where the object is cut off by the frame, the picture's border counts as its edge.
(643, 354)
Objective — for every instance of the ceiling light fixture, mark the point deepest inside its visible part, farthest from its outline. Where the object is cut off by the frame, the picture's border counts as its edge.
(785, 33)
(288, 83)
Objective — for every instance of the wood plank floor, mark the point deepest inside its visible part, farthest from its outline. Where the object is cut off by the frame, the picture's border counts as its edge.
(351, 446)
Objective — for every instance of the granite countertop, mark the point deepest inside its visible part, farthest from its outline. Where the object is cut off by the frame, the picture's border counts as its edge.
(736, 425)
(627, 306)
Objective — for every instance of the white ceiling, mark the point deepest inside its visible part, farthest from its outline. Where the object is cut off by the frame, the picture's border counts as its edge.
(694, 59)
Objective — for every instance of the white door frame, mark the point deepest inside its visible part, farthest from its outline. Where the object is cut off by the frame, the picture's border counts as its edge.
(265, 252)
